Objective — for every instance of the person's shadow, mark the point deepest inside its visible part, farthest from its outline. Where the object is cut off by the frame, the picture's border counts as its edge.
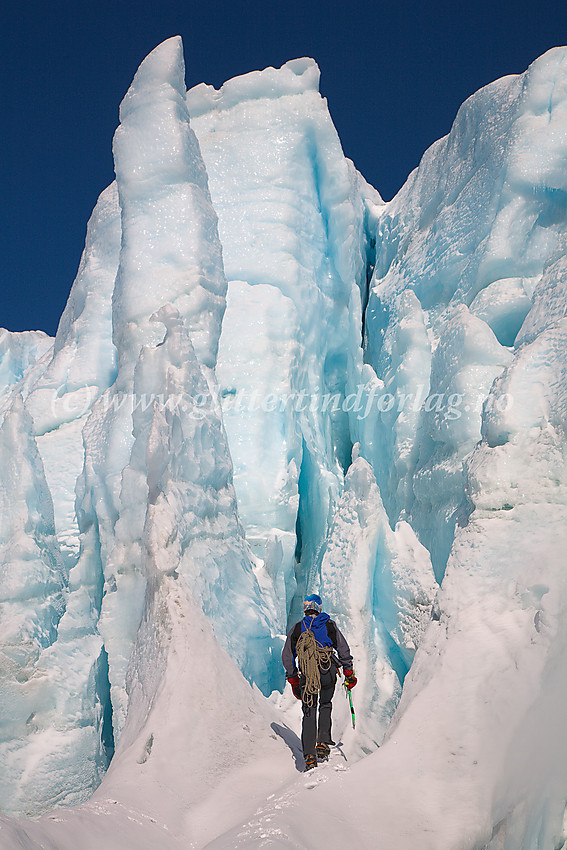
(293, 742)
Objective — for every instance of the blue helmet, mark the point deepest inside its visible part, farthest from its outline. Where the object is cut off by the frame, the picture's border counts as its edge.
(313, 603)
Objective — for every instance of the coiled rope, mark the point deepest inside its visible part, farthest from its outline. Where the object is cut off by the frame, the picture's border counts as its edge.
(312, 659)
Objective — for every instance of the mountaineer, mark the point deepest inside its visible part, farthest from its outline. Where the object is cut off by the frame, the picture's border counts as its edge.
(320, 649)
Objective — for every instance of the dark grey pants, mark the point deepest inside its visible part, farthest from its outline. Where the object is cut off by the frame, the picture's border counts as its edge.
(313, 732)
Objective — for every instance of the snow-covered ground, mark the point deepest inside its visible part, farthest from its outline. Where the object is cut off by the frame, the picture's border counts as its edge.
(267, 381)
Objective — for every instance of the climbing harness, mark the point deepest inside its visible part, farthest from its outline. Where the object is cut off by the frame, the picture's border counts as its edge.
(313, 659)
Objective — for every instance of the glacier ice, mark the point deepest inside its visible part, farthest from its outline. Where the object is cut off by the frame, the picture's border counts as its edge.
(34, 584)
(265, 447)
(83, 359)
(292, 223)
(267, 380)
(32, 572)
(67, 733)
(81, 366)
(381, 582)
(18, 352)
(454, 247)
(475, 750)
(168, 230)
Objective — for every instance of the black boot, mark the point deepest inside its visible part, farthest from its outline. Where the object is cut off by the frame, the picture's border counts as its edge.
(323, 751)
(310, 762)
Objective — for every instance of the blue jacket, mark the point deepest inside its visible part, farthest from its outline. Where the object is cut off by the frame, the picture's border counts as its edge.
(317, 623)
(326, 632)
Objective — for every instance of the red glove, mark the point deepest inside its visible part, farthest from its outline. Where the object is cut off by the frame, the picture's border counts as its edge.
(294, 682)
(350, 679)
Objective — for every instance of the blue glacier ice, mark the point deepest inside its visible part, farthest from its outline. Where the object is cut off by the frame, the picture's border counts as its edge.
(451, 250)
(33, 582)
(18, 352)
(67, 727)
(161, 180)
(475, 755)
(266, 381)
(381, 583)
(293, 226)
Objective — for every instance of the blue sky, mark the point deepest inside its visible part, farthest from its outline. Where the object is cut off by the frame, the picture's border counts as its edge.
(394, 75)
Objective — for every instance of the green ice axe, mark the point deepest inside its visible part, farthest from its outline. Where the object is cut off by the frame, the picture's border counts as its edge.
(352, 717)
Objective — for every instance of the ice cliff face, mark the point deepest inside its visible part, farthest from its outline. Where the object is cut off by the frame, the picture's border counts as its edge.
(475, 244)
(460, 253)
(292, 225)
(267, 381)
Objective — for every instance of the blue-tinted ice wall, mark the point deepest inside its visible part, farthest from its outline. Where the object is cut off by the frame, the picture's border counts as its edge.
(293, 226)
(460, 253)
